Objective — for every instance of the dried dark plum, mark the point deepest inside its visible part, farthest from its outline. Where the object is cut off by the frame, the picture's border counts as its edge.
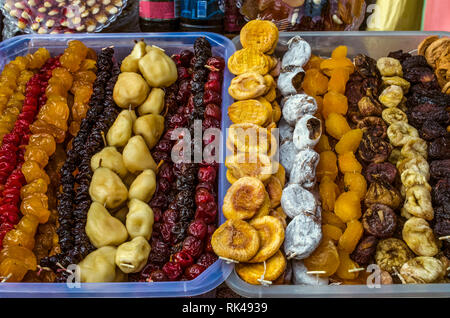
(374, 149)
(385, 171)
(441, 192)
(431, 130)
(419, 74)
(440, 169)
(399, 55)
(427, 111)
(439, 148)
(365, 250)
(414, 61)
(442, 217)
(379, 220)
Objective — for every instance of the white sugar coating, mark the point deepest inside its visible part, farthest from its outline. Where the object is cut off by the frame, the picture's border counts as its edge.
(303, 235)
(296, 200)
(287, 153)
(298, 54)
(301, 277)
(307, 132)
(290, 80)
(304, 168)
(285, 131)
(297, 106)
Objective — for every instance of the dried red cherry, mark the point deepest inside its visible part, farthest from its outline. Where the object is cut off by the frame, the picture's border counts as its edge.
(207, 259)
(198, 229)
(194, 270)
(172, 270)
(193, 246)
(183, 258)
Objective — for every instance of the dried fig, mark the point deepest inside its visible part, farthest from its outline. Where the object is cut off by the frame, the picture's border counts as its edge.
(374, 126)
(365, 250)
(374, 149)
(392, 253)
(422, 270)
(419, 237)
(385, 172)
(384, 193)
(380, 221)
(368, 106)
(269, 270)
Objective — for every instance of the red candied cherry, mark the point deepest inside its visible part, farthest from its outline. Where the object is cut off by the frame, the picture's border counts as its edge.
(186, 57)
(212, 97)
(172, 270)
(177, 59)
(214, 86)
(217, 62)
(207, 174)
(208, 245)
(183, 258)
(213, 111)
(183, 73)
(211, 229)
(166, 231)
(214, 76)
(157, 214)
(164, 146)
(207, 212)
(193, 246)
(205, 185)
(158, 276)
(170, 216)
(198, 229)
(193, 271)
(163, 185)
(210, 122)
(207, 259)
(165, 171)
(176, 121)
(202, 196)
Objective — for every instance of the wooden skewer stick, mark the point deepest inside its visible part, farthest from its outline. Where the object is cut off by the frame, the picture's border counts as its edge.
(444, 238)
(399, 276)
(353, 270)
(261, 280)
(6, 278)
(228, 260)
(316, 272)
(63, 268)
(127, 265)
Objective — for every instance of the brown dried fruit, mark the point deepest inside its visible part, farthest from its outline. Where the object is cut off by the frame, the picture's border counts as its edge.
(384, 193)
(365, 250)
(374, 149)
(435, 50)
(380, 220)
(374, 126)
(385, 171)
(422, 270)
(426, 43)
(368, 106)
(419, 237)
(392, 253)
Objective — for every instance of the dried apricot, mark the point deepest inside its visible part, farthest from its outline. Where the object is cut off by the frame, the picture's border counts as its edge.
(345, 266)
(348, 207)
(339, 52)
(248, 60)
(271, 236)
(314, 62)
(264, 209)
(349, 142)
(331, 218)
(338, 80)
(351, 236)
(319, 101)
(324, 259)
(269, 271)
(314, 82)
(336, 125)
(334, 102)
(331, 232)
(329, 191)
(323, 144)
(349, 163)
(327, 66)
(327, 165)
(259, 34)
(249, 164)
(355, 182)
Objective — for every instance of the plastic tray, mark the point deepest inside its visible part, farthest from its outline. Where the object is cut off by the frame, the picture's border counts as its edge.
(172, 43)
(376, 45)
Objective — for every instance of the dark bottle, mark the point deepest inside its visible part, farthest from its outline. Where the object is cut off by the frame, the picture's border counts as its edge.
(202, 15)
(158, 16)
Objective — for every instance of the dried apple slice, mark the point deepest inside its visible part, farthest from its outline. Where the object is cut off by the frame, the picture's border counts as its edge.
(270, 271)
(235, 240)
(271, 236)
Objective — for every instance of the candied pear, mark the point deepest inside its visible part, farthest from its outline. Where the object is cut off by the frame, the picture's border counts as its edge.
(120, 131)
(110, 158)
(158, 69)
(99, 266)
(154, 103)
(107, 188)
(136, 155)
(132, 256)
(130, 90)
(144, 186)
(131, 62)
(150, 127)
(139, 219)
(104, 229)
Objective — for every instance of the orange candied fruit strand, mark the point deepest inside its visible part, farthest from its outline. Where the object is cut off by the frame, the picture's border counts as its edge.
(329, 191)
(32, 171)
(14, 269)
(355, 182)
(88, 65)
(36, 154)
(346, 264)
(348, 163)
(74, 54)
(20, 253)
(55, 113)
(314, 82)
(313, 63)
(331, 232)
(329, 217)
(44, 141)
(351, 236)
(38, 58)
(41, 127)
(327, 66)
(18, 237)
(28, 224)
(349, 142)
(324, 258)
(36, 186)
(334, 102)
(36, 204)
(63, 77)
(348, 207)
(323, 144)
(338, 80)
(327, 165)
(336, 125)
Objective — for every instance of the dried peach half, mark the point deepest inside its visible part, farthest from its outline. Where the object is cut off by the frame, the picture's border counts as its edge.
(236, 240)
(250, 111)
(259, 34)
(248, 60)
(244, 198)
(274, 189)
(269, 270)
(271, 236)
(251, 165)
(248, 137)
(280, 215)
(264, 209)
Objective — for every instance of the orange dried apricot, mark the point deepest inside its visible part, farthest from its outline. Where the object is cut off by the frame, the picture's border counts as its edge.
(351, 236)
(331, 218)
(339, 52)
(325, 258)
(327, 165)
(331, 232)
(346, 264)
(323, 144)
(313, 63)
(319, 101)
(338, 80)
(334, 102)
(355, 182)
(349, 142)
(314, 82)
(336, 125)
(329, 191)
(327, 66)
(348, 163)
(347, 206)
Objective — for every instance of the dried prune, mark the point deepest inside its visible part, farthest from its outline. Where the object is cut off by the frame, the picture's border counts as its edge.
(374, 149)
(441, 192)
(440, 169)
(399, 55)
(431, 130)
(419, 74)
(374, 126)
(385, 171)
(414, 61)
(379, 220)
(442, 217)
(365, 250)
(427, 111)
(439, 148)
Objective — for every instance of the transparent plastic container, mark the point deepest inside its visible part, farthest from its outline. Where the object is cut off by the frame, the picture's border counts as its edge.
(376, 45)
(123, 43)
